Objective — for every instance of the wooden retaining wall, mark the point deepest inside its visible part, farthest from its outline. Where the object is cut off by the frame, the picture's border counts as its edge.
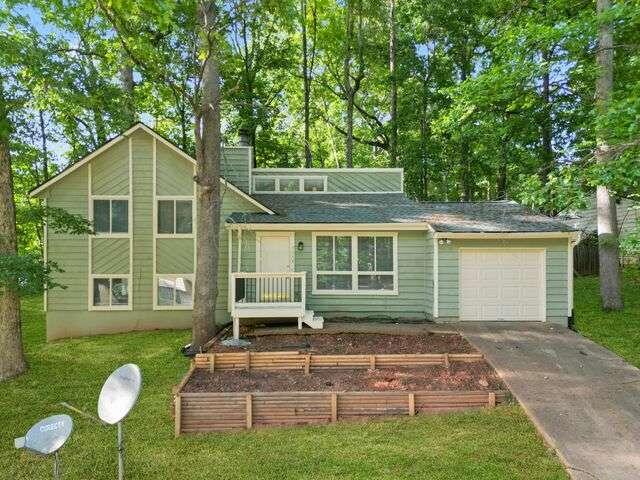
(212, 412)
(302, 361)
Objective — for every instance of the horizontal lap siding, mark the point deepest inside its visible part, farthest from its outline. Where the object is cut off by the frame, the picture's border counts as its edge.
(235, 166)
(174, 174)
(556, 268)
(110, 255)
(350, 181)
(110, 171)
(69, 251)
(232, 202)
(428, 286)
(409, 303)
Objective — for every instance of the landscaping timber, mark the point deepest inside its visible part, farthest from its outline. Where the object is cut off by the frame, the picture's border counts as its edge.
(304, 361)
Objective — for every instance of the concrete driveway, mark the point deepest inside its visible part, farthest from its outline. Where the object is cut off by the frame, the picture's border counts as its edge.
(584, 399)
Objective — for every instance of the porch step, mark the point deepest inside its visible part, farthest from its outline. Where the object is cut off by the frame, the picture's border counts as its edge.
(315, 322)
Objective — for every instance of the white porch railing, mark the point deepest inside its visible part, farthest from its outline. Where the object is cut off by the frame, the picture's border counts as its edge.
(267, 294)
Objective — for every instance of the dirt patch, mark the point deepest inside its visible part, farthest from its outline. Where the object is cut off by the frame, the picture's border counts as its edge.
(459, 376)
(354, 343)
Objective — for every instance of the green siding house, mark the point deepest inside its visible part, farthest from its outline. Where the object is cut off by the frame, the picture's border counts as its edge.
(305, 244)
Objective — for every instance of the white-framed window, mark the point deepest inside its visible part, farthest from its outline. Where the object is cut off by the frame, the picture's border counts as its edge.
(355, 263)
(110, 292)
(173, 291)
(174, 217)
(289, 184)
(110, 215)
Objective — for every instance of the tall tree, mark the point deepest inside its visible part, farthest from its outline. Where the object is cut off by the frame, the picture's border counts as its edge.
(352, 74)
(610, 290)
(308, 61)
(176, 34)
(393, 86)
(12, 361)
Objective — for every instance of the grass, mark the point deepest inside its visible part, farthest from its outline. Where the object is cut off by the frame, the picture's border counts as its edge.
(618, 331)
(492, 444)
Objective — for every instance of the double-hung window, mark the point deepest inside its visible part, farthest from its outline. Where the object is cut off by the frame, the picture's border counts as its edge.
(110, 292)
(111, 216)
(174, 292)
(361, 263)
(175, 217)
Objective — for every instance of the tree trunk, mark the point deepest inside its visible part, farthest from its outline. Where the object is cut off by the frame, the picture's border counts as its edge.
(12, 362)
(548, 158)
(306, 85)
(126, 79)
(610, 288)
(45, 150)
(348, 88)
(465, 160)
(207, 136)
(393, 94)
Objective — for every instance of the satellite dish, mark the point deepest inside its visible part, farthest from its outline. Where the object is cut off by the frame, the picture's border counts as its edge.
(47, 436)
(117, 397)
(119, 393)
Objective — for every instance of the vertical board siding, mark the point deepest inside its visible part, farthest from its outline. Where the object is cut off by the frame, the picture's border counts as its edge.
(174, 174)
(174, 255)
(349, 181)
(68, 314)
(142, 152)
(110, 255)
(110, 171)
(234, 166)
(69, 251)
(556, 272)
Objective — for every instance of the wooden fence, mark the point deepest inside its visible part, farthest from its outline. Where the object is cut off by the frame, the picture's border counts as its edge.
(307, 362)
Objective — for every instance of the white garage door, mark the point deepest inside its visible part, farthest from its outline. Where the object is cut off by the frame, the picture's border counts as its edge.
(502, 285)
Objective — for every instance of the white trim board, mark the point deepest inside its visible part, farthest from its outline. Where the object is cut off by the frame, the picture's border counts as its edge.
(482, 235)
(126, 134)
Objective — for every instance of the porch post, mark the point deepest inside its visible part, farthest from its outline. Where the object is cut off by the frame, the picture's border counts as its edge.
(230, 266)
(239, 269)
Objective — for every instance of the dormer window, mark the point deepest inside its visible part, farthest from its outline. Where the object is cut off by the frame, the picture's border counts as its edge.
(289, 184)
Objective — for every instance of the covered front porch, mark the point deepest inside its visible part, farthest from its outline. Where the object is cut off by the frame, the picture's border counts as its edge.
(263, 281)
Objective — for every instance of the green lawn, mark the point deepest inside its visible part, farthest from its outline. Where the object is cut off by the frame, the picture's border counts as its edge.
(618, 331)
(493, 444)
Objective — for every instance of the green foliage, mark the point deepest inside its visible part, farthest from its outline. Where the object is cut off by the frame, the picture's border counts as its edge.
(27, 274)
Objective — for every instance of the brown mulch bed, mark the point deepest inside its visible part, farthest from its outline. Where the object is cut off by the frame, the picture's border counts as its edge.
(354, 343)
(459, 376)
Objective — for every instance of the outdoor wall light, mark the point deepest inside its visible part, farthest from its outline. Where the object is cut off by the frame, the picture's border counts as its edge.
(300, 246)
(442, 241)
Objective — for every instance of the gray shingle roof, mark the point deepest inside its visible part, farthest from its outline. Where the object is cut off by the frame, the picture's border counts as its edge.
(494, 216)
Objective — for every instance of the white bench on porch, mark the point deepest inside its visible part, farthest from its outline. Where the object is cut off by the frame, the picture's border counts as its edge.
(270, 295)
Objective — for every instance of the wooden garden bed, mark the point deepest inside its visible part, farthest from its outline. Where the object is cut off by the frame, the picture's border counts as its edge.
(202, 410)
(307, 362)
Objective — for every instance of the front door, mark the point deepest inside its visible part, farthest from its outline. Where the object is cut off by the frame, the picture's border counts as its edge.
(275, 255)
(275, 252)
